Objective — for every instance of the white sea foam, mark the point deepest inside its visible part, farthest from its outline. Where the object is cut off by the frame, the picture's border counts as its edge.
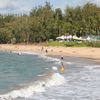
(27, 92)
(55, 80)
(70, 63)
(92, 66)
(49, 58)
(27, 52)
(54, 68)
(38, 54)
(41, 56)
(41, 75)
(46, 68)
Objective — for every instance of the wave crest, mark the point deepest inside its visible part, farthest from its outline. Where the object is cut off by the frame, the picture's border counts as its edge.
(27, 92)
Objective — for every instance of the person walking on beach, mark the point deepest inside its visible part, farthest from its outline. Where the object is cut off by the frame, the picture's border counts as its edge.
(46, 51)
(42, 49)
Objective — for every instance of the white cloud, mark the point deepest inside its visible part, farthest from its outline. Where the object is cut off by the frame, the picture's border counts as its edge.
(16, 6)
(8, 4)
(24, 6)
(96, 2)
(82, 2)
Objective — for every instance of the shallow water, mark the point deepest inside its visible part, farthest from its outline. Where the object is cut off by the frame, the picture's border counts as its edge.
(27, 77)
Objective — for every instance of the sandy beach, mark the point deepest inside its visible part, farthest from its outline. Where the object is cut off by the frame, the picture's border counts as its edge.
(91, 53)
(38, 77)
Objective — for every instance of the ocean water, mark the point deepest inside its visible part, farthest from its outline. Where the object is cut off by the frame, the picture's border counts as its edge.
(28, 76)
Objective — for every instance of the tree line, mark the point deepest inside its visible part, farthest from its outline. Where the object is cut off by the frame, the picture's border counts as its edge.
(44, 23)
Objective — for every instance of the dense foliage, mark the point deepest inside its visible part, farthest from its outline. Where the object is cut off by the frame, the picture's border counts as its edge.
(44, 23)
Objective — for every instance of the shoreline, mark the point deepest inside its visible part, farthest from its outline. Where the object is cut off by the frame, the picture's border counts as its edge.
(82, 52)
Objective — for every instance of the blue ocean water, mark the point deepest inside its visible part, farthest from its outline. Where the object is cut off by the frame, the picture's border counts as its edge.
(28, 76)
(18, 69)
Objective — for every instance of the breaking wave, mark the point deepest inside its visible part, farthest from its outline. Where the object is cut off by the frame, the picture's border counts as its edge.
(40, 86)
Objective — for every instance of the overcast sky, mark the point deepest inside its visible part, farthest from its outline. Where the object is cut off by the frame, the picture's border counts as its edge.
(24, 6)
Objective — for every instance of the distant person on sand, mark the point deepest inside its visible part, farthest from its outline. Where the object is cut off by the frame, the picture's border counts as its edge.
(46, 51)
(42, 49)
(51, 50)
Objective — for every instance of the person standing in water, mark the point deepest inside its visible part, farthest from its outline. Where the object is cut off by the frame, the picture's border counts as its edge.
(62, 57)
(62, 66)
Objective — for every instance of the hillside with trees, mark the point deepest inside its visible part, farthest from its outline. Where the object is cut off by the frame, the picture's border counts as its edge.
(44, 23)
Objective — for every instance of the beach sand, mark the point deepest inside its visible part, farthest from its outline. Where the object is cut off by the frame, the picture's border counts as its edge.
(85, 52)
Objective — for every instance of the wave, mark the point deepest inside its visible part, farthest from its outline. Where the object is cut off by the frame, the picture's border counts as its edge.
(22, 52)
(69, 63)
(38, 54)
(49, 58)
(56, 60)
(40, 86)
(92, 66)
